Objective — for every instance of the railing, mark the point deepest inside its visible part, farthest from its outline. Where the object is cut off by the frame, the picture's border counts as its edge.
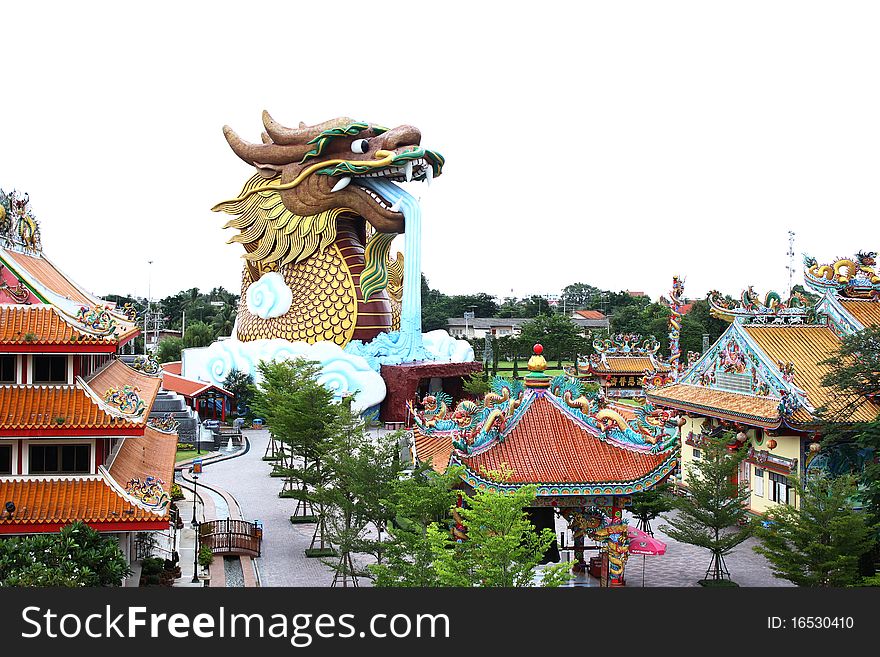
(232, 536)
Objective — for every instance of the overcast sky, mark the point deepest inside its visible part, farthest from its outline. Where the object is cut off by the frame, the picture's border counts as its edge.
(612, 143)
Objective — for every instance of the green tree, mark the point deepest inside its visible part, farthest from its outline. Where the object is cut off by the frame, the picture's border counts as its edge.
(198, 334)
(301, 414)
(820, 543)
(560, 337)
(502, 548)
(241, 385)
(476, 384)
(580, 295)
(74, 557)
(169, 350)
(223, 320)
(359, 474)
(712, 515)
(417, 502)
(647, 505)
(854, 377)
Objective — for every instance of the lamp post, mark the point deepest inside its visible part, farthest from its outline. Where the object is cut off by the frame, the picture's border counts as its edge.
(196, 471)
(195, 579)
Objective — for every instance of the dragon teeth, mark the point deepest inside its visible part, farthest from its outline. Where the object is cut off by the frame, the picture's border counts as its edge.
(342, 184)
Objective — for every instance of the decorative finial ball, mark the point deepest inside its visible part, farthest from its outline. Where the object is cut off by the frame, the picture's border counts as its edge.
(539, 349)
(741, 437)
(815, 447)
(771, 444)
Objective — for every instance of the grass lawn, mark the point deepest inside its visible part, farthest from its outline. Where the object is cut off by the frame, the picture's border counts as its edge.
(185, 454)
(505, 368)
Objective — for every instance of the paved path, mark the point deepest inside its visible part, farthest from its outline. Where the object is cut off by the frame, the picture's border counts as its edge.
(283, 563)
(247, 479)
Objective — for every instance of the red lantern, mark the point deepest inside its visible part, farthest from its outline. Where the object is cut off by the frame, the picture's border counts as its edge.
(771, 444)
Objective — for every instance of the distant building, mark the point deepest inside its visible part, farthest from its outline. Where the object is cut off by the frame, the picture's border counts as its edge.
(480, 327)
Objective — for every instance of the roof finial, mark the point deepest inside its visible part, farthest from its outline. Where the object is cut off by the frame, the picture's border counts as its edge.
(537, 364)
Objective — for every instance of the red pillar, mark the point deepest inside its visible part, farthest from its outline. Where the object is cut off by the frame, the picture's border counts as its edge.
(223, 409)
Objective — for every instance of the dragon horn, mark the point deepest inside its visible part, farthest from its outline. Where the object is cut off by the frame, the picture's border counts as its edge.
(299, 136)
(263, 153)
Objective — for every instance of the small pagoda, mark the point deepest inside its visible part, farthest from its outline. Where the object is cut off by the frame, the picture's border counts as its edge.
(585, 456)
(75, 441)
(623, 365)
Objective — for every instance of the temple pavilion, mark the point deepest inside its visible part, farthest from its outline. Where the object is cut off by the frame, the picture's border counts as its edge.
(584, 456)
(75, 443)
(621, 365)
(760, 384)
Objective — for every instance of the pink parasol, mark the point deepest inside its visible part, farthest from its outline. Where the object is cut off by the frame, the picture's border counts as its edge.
(642, 543)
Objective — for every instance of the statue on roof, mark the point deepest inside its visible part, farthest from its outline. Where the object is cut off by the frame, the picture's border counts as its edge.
(849, 277)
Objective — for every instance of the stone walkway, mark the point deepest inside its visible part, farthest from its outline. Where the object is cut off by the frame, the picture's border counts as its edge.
(247, 479)
(283, 562)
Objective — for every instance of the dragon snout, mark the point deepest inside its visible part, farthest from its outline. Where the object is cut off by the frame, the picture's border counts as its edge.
(403, 135)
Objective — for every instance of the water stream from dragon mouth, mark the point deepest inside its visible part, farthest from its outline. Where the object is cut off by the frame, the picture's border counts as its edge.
(408, 344)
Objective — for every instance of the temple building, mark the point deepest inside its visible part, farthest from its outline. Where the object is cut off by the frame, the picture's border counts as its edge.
(622, 365)
(761, 382)
(584, 456)
(75, 443)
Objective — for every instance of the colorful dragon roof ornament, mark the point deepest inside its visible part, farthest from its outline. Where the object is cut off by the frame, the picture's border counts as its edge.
(854, 278)
(474, 427)
(19, 229)
(675, 305)
(771, 310)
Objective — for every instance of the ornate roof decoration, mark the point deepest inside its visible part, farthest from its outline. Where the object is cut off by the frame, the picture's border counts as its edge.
(17, 292)
(150, 492)
(126, 400)
(751, 309)
(165, 424)
(627, 344)
(146, 365)
(853, 278)
(564, 439)
(97, 320)
(19, 228)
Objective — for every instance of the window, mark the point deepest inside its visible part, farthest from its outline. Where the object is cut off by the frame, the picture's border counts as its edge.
(59, 459)
(7, 368)
(697, 454)
(5, 459)
(50, 369)
(758, 482)
(780, 490)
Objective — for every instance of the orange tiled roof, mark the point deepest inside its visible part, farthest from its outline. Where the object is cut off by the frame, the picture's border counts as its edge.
(546, 446)
(867, 312)
(173, 367)
(47, 274)
(435, 450)
(37, 407)
(590, 314)
(806, 347)
(188, 387)
(47, 327)
(759, 411)
(62, 501)
(141, 457)
(628, 365)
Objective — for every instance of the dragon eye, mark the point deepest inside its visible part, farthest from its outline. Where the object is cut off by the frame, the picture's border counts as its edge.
(360, 145)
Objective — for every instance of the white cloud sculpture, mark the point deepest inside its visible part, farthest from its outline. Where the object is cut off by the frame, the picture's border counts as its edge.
(341, 372)
(269, 297)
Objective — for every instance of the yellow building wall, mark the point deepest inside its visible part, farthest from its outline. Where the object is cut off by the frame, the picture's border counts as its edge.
(786, 446)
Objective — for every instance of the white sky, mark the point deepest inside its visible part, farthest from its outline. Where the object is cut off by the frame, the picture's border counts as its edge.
(610, 143)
